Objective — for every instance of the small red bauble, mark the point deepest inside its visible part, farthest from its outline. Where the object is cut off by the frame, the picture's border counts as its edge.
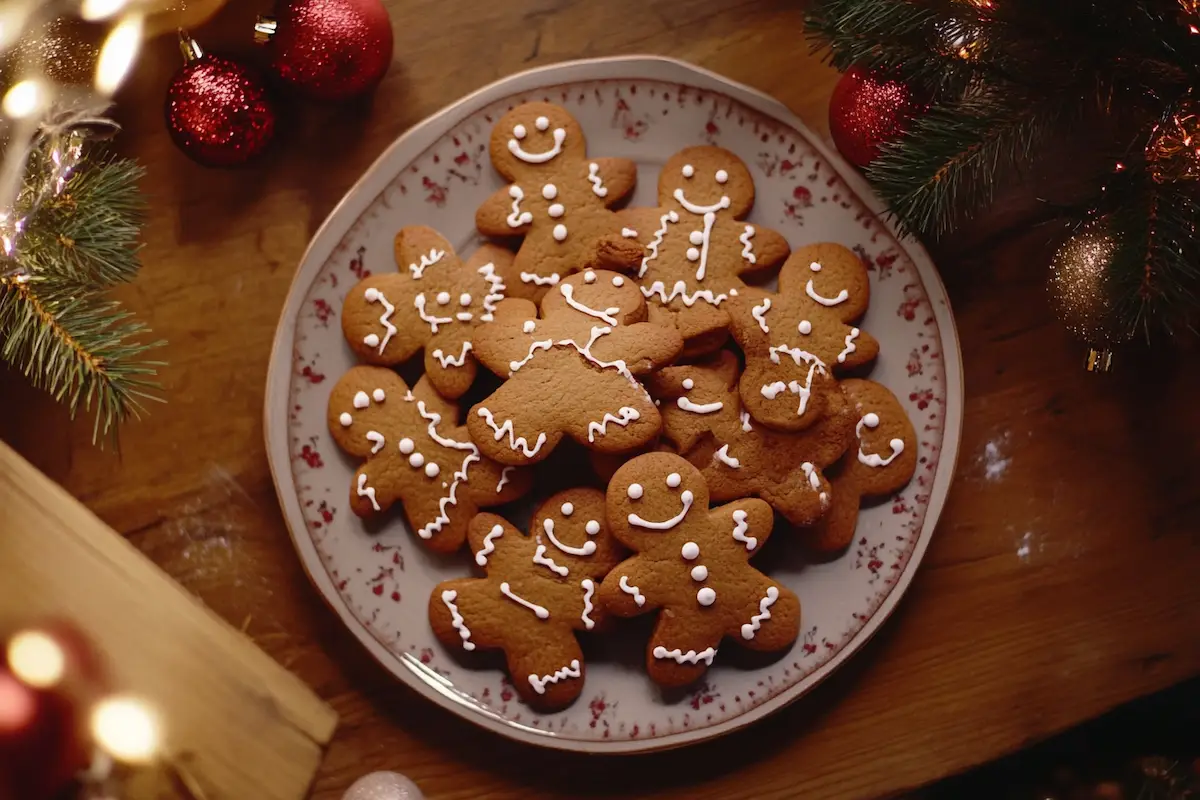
(867, 111)
(217, 110)
(330, 49)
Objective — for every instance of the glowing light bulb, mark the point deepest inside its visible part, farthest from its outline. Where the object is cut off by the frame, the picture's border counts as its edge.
(36, 659)
(25, 99)
(93, 10)
(127, 729)
(118, 53)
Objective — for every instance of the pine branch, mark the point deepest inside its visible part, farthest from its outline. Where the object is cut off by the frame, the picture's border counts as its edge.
(78, 347)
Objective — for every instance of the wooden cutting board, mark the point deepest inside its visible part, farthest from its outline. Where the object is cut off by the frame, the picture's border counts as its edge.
(238, 723)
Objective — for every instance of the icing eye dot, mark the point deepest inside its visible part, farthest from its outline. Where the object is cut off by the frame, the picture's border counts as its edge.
(673, 480)
(464, 299)
(689, 384)
(560, 232)
(443, 298)
(432, 469)
(693, 254)
(805, 327)
(592, 527)
(379, 395)
(635, 491)
(618, 280)
(541, 123)
(871, 420)
(406, 445)
(706, 596)
(519, 131)
(556, 210)
(529, 326)
(696, 237)
(815, 266)
(688, 170)
(371, 340)
(699, 572)
(346, 420)
(722, 176)
(567, 509)
(589, 277)
(361, 400)
(371, 295)
(416, 460)
(549, 191)
(690, 550)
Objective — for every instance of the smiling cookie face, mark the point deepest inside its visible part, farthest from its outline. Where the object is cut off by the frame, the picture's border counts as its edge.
(642, 510)
(568, 529)
(533, 135)
(704, 179)
(606, 298)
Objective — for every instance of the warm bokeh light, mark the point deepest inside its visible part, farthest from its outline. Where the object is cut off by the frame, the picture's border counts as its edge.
(127, 729)
(36, 658)
(118, 54)
(93, 10)
(25, 99)
(13, 16)
(18, 706)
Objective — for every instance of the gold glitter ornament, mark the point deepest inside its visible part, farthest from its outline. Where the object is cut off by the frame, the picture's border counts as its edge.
(63, 50)
(1081, 292)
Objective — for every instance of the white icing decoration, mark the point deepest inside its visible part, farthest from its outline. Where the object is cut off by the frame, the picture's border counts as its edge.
(746, 426)
(635, 491)
(690, 657)
(873, 460)
(618, 280)
(688, 170)
(842, 296)
(589, 588)
(539, 611)
(680, 291)
(567, 509)
(549, 191)
(488, 545)
(427, 261)
(346, 420)
(464, 299)
(592, 527)
(815, 266)
(556, 210)
(514, 442)
(759, 313)
(740, 526)
(416, 460)
(850, 346)
(519, 131)
(569, 671)
(504, 475)
(373, 295)
(367, 491)
(689, 384)
(586, 550)
(529, 327)
(695, 209)
(455, 361)
(434, 321)
(361, 400)
(722, 176)
(568, 293)
(699, 408)
(810, 472)
(534, 347)
(495, 293)
(690, 551)
(764, 605)
(379, 395)
(538, 280)
(539, 557)
(772, 390)
(801, 390)
(706, 596)
(464, 316)
(673, 480)
(443, 298)
(805, 327)
(515, 148)
(590, 277)
(686, 497)
(407, 445)
(723, 456)
(699, 573)
(598, 187)
(541, 123)
(709, 219)
(629, 233)
(669, 217)
(432, 469)
(560, 232)
(460, 474)
(696, 237)
(693, 254)
(456, 619)
(377, 438)
(629, 588)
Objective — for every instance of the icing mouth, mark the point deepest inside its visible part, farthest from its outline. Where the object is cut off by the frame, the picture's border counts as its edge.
(686, 497)
(514, 147)
(723, 203)
(587, 549)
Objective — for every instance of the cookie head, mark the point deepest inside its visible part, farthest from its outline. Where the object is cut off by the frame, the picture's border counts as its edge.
(573, 528)
(534, 135)
(704, 179)
(829, 276)
(607, 298)
(653, 496)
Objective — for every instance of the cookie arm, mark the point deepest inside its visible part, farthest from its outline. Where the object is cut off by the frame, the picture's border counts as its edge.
(618, 593)
(748, 521)
(768, 247)
(644, 346)
(504, 341)
(492, 218)
(745, 312)
(617, 175)
(492, 538)
(639, 224)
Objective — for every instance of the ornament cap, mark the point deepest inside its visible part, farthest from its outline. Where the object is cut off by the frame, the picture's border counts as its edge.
(265, 29)
(189, 48)
(1100, 361)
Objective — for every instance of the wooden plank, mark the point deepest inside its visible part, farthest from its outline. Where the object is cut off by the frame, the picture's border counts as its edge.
(244, 726)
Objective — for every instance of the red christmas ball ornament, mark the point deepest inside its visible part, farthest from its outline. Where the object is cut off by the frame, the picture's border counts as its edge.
(218, 111)
(867, 111)
(329, 49)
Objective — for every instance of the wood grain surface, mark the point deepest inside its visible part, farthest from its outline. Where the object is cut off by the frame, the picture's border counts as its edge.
(1061, 581)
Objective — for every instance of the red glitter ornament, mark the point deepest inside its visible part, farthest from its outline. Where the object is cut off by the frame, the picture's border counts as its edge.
(217, 110)
(329, 49)
(867, 111)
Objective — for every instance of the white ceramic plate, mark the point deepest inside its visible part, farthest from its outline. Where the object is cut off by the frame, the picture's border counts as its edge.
(438, 174)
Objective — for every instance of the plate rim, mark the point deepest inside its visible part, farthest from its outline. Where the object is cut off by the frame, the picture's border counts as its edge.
(374, 180)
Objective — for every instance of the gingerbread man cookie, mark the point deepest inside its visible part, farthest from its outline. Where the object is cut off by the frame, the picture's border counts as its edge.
(703, 417)
(416, 454)
(539, 590)
(796, 339)
(435, 302)
(883, 462)
(698, 246)
(692, 565)
(571, 373)
(558, 199)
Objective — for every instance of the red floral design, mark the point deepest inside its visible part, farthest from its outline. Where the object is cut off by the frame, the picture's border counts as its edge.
(914, 363)
(435, 192)
(323, 311)
(310, 456)
(801, 200)
(358, 264)
(631, 126)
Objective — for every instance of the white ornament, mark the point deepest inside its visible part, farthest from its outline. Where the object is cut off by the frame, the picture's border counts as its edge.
(383, 786)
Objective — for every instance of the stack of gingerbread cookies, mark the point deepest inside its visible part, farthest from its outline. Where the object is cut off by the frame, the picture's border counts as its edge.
(636, 352)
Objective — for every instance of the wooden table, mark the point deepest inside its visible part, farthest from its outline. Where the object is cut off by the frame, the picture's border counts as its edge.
(1061, 582)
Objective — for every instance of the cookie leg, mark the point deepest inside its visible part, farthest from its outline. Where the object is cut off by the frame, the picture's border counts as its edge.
(835, 531)
(463, 615)
(547, 671)
(680, 650)
(775, 621)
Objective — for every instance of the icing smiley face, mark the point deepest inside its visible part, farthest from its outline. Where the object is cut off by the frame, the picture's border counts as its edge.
(605, 298)
(707, 179)
(568, 533)
(534, 135)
